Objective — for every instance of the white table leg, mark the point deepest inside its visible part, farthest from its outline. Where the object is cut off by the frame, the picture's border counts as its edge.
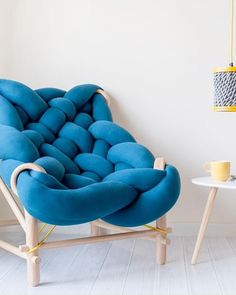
(204, 223)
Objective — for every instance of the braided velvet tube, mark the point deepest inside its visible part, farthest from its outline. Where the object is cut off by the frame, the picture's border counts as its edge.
(95, 169)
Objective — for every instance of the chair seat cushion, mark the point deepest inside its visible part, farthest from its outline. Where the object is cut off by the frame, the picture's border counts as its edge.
(94, 167)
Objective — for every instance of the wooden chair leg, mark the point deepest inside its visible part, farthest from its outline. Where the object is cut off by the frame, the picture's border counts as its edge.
(161, 222)
(161, 241)
(33, 260)
(95, 230)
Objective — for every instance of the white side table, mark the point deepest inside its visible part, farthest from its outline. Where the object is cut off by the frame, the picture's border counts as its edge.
(214, 186)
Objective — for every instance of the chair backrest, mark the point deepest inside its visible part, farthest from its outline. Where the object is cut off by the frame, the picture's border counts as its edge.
(86, 157)
(73, 127)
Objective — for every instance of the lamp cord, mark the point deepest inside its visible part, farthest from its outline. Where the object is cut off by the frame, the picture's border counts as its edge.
(231, 33)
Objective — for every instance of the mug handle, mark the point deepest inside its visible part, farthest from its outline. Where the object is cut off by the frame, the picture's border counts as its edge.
(207, 167)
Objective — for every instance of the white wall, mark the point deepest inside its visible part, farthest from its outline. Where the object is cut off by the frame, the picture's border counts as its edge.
(154, 57)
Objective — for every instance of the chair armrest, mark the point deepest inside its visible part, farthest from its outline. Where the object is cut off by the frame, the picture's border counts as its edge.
(159, 163)
(105, 95)
(19, 169)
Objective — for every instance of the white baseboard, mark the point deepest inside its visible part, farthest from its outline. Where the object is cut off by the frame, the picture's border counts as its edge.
(178, 229)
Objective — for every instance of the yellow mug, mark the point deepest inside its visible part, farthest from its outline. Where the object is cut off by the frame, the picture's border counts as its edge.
(220, 170)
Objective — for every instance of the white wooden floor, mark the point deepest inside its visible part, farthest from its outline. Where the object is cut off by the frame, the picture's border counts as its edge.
(125, 267)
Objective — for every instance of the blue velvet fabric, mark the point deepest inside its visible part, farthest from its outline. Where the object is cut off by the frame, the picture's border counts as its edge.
(95, 169)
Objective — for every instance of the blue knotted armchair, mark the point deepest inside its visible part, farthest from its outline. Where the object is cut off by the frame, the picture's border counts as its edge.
(69, 164)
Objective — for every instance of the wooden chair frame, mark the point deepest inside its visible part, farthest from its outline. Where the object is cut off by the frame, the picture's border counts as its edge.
(30, 226)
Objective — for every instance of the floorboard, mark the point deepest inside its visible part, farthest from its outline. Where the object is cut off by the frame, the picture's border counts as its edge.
(125, 267)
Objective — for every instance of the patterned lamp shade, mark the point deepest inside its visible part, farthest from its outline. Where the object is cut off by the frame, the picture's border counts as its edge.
(225, 89)
(225, 78)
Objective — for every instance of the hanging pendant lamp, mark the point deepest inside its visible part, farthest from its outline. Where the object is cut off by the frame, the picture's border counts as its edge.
(225, 77)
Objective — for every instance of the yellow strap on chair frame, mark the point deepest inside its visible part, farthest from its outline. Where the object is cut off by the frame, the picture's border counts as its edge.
(42, 227)
(158, 229)
(43, 239)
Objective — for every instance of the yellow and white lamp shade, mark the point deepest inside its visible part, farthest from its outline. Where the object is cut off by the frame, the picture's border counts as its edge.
(225, 89)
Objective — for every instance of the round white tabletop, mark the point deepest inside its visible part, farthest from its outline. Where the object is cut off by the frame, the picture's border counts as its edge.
(210, 182)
